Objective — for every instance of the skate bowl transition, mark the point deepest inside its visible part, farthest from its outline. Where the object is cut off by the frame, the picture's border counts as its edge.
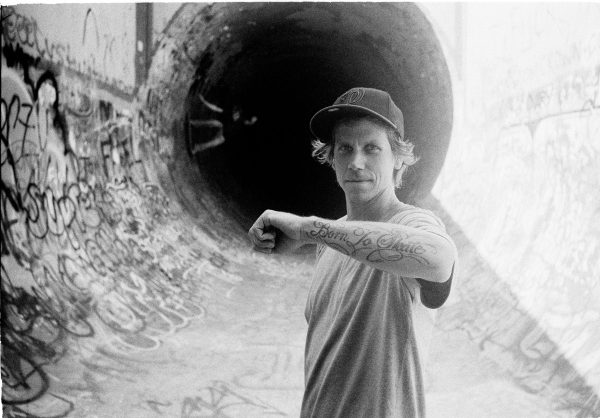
(139, 142)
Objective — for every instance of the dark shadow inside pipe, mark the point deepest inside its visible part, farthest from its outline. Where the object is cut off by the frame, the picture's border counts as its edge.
(269, 67)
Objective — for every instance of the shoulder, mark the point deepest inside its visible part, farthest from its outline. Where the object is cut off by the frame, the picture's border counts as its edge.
(415, 216)
(420, 218)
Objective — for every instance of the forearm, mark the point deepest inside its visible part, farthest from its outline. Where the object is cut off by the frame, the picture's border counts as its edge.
(398, 249)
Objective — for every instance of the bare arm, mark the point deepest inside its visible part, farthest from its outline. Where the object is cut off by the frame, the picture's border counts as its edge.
(397, 249)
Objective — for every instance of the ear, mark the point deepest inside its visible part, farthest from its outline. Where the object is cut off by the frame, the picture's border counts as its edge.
(398, 162)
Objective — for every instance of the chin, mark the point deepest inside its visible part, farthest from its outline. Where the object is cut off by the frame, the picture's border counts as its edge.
(358, 196)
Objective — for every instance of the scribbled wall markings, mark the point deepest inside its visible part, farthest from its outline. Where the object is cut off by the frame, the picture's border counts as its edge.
(23, 33)
(548, 169)
(219, 400)
(575, 94)
(530, 154)
(88, 243)
(491, 315)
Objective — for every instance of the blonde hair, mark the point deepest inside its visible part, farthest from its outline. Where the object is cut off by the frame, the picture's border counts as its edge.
(323, 152)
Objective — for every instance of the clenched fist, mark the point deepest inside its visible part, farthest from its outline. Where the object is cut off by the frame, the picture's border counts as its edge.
(278, 232)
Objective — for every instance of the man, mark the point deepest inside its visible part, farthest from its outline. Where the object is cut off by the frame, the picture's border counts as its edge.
(375, 267)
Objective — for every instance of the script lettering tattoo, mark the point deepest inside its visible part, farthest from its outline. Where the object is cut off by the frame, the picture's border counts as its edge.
(376, 245)
(324, 234)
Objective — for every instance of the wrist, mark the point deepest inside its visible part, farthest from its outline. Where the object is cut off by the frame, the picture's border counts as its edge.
(308, 228)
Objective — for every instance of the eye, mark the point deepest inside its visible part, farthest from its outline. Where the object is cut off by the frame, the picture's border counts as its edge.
(343, 148)
(372, 148)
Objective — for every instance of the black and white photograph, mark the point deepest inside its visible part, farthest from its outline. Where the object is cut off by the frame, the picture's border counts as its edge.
(300, 209)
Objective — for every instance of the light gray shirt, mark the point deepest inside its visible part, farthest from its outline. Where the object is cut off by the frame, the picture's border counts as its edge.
(365, 329)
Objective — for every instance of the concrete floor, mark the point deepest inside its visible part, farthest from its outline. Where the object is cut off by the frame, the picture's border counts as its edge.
(243, 357)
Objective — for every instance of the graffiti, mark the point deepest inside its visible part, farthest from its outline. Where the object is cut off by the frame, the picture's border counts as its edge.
(492, 316)
(219, 400)
(549, 179)
(115, 141)
(52, 406)
(572, 94)
(204, 129)
(78, 99)
(23, 380)
(156, 405)
(23, 32)
(83, 234)
(275, 370)
(145, 125)
(534, 176)
(15, 56)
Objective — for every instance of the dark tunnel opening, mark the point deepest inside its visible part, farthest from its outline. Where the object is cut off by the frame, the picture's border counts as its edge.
(268, 68)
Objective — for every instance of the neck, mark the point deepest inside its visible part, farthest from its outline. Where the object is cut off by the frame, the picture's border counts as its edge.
(380, 208)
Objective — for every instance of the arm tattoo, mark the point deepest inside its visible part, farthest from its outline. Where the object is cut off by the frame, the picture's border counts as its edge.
(374, 245)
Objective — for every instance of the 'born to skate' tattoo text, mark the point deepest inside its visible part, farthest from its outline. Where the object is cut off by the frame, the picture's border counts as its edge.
(380, 245)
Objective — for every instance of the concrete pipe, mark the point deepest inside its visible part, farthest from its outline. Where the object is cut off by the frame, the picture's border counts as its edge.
(128, 285)
(269, 67)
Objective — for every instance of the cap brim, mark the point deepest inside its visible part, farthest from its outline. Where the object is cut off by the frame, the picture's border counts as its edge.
(321, 124)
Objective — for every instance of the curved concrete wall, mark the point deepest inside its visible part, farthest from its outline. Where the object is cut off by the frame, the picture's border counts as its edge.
(127, 285)
(522, 182)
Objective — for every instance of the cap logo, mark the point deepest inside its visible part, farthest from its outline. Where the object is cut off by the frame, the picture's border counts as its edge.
(351, 96)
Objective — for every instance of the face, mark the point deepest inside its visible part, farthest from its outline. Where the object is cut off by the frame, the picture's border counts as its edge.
(363, 160)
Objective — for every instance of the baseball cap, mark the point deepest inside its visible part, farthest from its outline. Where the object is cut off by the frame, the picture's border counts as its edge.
(357, 101)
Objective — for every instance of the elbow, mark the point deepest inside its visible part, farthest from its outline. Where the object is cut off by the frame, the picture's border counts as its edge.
(442, 264)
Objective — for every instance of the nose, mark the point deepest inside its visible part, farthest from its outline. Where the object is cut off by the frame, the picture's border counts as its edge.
(357, 161)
